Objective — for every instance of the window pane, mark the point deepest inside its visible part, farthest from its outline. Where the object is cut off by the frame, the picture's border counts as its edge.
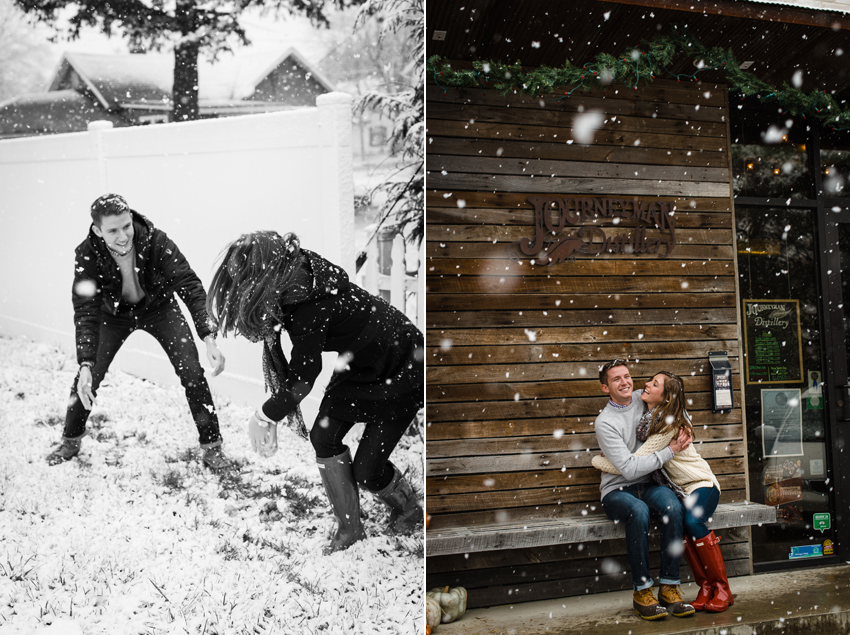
(835, 164)
(769, 156)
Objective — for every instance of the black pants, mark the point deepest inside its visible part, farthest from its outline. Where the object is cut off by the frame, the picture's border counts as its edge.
(167, 324)
(372, 468)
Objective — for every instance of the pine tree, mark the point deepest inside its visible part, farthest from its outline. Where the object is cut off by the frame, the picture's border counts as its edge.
(405, 194)
(23, 54)
(190, 27)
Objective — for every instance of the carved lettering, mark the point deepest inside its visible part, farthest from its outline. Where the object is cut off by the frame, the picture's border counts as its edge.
(586, 208)
(586, 233)
(561, 212)
(652, 214)
(622, 205)
(575, 214)
(531, 247)
(601, 206)
(553, 214)
(640, 209)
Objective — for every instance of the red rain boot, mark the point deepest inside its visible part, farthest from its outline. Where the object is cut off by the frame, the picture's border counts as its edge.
(706, 591)
(708, 549)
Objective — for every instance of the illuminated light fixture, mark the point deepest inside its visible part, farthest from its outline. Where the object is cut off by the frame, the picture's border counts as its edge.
(802, 147)
(749, 166)
(776, 170)
(826, 171)
(785, 137)
(756, 247)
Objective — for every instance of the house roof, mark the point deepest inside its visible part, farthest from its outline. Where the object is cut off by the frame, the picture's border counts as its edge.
(119, 80)
(53, 112)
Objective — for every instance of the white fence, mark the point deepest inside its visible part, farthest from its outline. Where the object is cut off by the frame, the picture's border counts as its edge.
(204, 183)
(395, 273)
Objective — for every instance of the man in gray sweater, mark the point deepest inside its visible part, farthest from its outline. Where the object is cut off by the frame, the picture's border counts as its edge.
(633, 498)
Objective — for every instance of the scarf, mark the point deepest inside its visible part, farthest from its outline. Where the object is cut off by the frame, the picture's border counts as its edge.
(275, 372)
(660, 476)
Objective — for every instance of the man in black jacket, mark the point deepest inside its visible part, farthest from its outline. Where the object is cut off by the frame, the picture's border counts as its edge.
(125, 276)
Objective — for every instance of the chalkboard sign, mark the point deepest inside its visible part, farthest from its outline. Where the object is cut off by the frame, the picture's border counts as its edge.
(772, 341)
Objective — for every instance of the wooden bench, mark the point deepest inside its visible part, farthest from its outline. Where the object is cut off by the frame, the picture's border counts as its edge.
(564, 531)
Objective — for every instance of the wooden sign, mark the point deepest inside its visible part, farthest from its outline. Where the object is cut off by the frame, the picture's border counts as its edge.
(554, 214)
(774, 348)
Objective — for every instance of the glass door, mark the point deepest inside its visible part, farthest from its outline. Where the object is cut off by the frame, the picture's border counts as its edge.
(788, 422)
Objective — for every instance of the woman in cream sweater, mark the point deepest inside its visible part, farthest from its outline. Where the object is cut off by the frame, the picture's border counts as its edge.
(691, 478)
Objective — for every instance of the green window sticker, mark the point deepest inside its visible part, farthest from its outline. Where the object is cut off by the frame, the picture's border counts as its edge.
(822, 522)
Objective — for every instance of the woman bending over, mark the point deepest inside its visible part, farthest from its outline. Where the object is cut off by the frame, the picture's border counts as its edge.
(267, 282)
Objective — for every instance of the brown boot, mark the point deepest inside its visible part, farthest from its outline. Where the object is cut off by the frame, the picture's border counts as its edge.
(705, 589)
(709, 552)
(399, 496)
(646, 606)
(672, 600)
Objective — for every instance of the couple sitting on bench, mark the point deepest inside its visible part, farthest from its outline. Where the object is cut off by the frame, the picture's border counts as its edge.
(651, 470)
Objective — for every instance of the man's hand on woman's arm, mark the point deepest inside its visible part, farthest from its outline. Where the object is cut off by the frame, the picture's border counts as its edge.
(681, 442)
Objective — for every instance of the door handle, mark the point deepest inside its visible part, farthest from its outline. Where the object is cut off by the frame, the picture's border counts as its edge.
(844, 402)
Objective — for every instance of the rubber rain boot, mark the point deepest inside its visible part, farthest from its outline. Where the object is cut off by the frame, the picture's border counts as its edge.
(706, 591)
(400, 497)
(344, 496)
(214, 458)
(67, 450)
(709, 552)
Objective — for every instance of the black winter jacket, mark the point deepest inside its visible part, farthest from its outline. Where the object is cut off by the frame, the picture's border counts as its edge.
(162, 270)
(380, 370)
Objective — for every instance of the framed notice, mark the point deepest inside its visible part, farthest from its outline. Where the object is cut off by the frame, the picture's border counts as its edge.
(772, 342)
(781, 422)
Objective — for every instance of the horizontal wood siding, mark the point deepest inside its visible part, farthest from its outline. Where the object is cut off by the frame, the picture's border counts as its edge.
(514, 348)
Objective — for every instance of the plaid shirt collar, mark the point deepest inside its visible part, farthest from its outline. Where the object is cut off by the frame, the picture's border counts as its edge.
(618, 406)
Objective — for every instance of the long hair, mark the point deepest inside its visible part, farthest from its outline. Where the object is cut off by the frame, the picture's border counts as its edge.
(670, 413)
(254, 271)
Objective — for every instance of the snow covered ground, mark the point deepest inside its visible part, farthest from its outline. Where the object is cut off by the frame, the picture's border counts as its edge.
(136, 537)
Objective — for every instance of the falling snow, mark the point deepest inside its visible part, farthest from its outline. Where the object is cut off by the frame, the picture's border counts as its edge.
(585, 126)
(135, 536)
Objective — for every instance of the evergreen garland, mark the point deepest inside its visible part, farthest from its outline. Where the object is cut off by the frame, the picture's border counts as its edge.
(641, 63)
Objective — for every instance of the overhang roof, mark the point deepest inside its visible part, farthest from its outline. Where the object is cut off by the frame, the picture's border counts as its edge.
(834, 5)
(779, 39)
(51, 112)
(123, 79)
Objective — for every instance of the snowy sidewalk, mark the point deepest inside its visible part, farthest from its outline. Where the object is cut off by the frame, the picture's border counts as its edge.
(799, 602)
(136, 537)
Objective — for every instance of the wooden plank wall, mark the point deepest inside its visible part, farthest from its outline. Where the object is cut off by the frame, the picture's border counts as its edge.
(514, 349)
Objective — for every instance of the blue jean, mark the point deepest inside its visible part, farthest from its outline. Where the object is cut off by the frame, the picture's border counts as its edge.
(167, 324)
(699, 506)
(634, 506)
